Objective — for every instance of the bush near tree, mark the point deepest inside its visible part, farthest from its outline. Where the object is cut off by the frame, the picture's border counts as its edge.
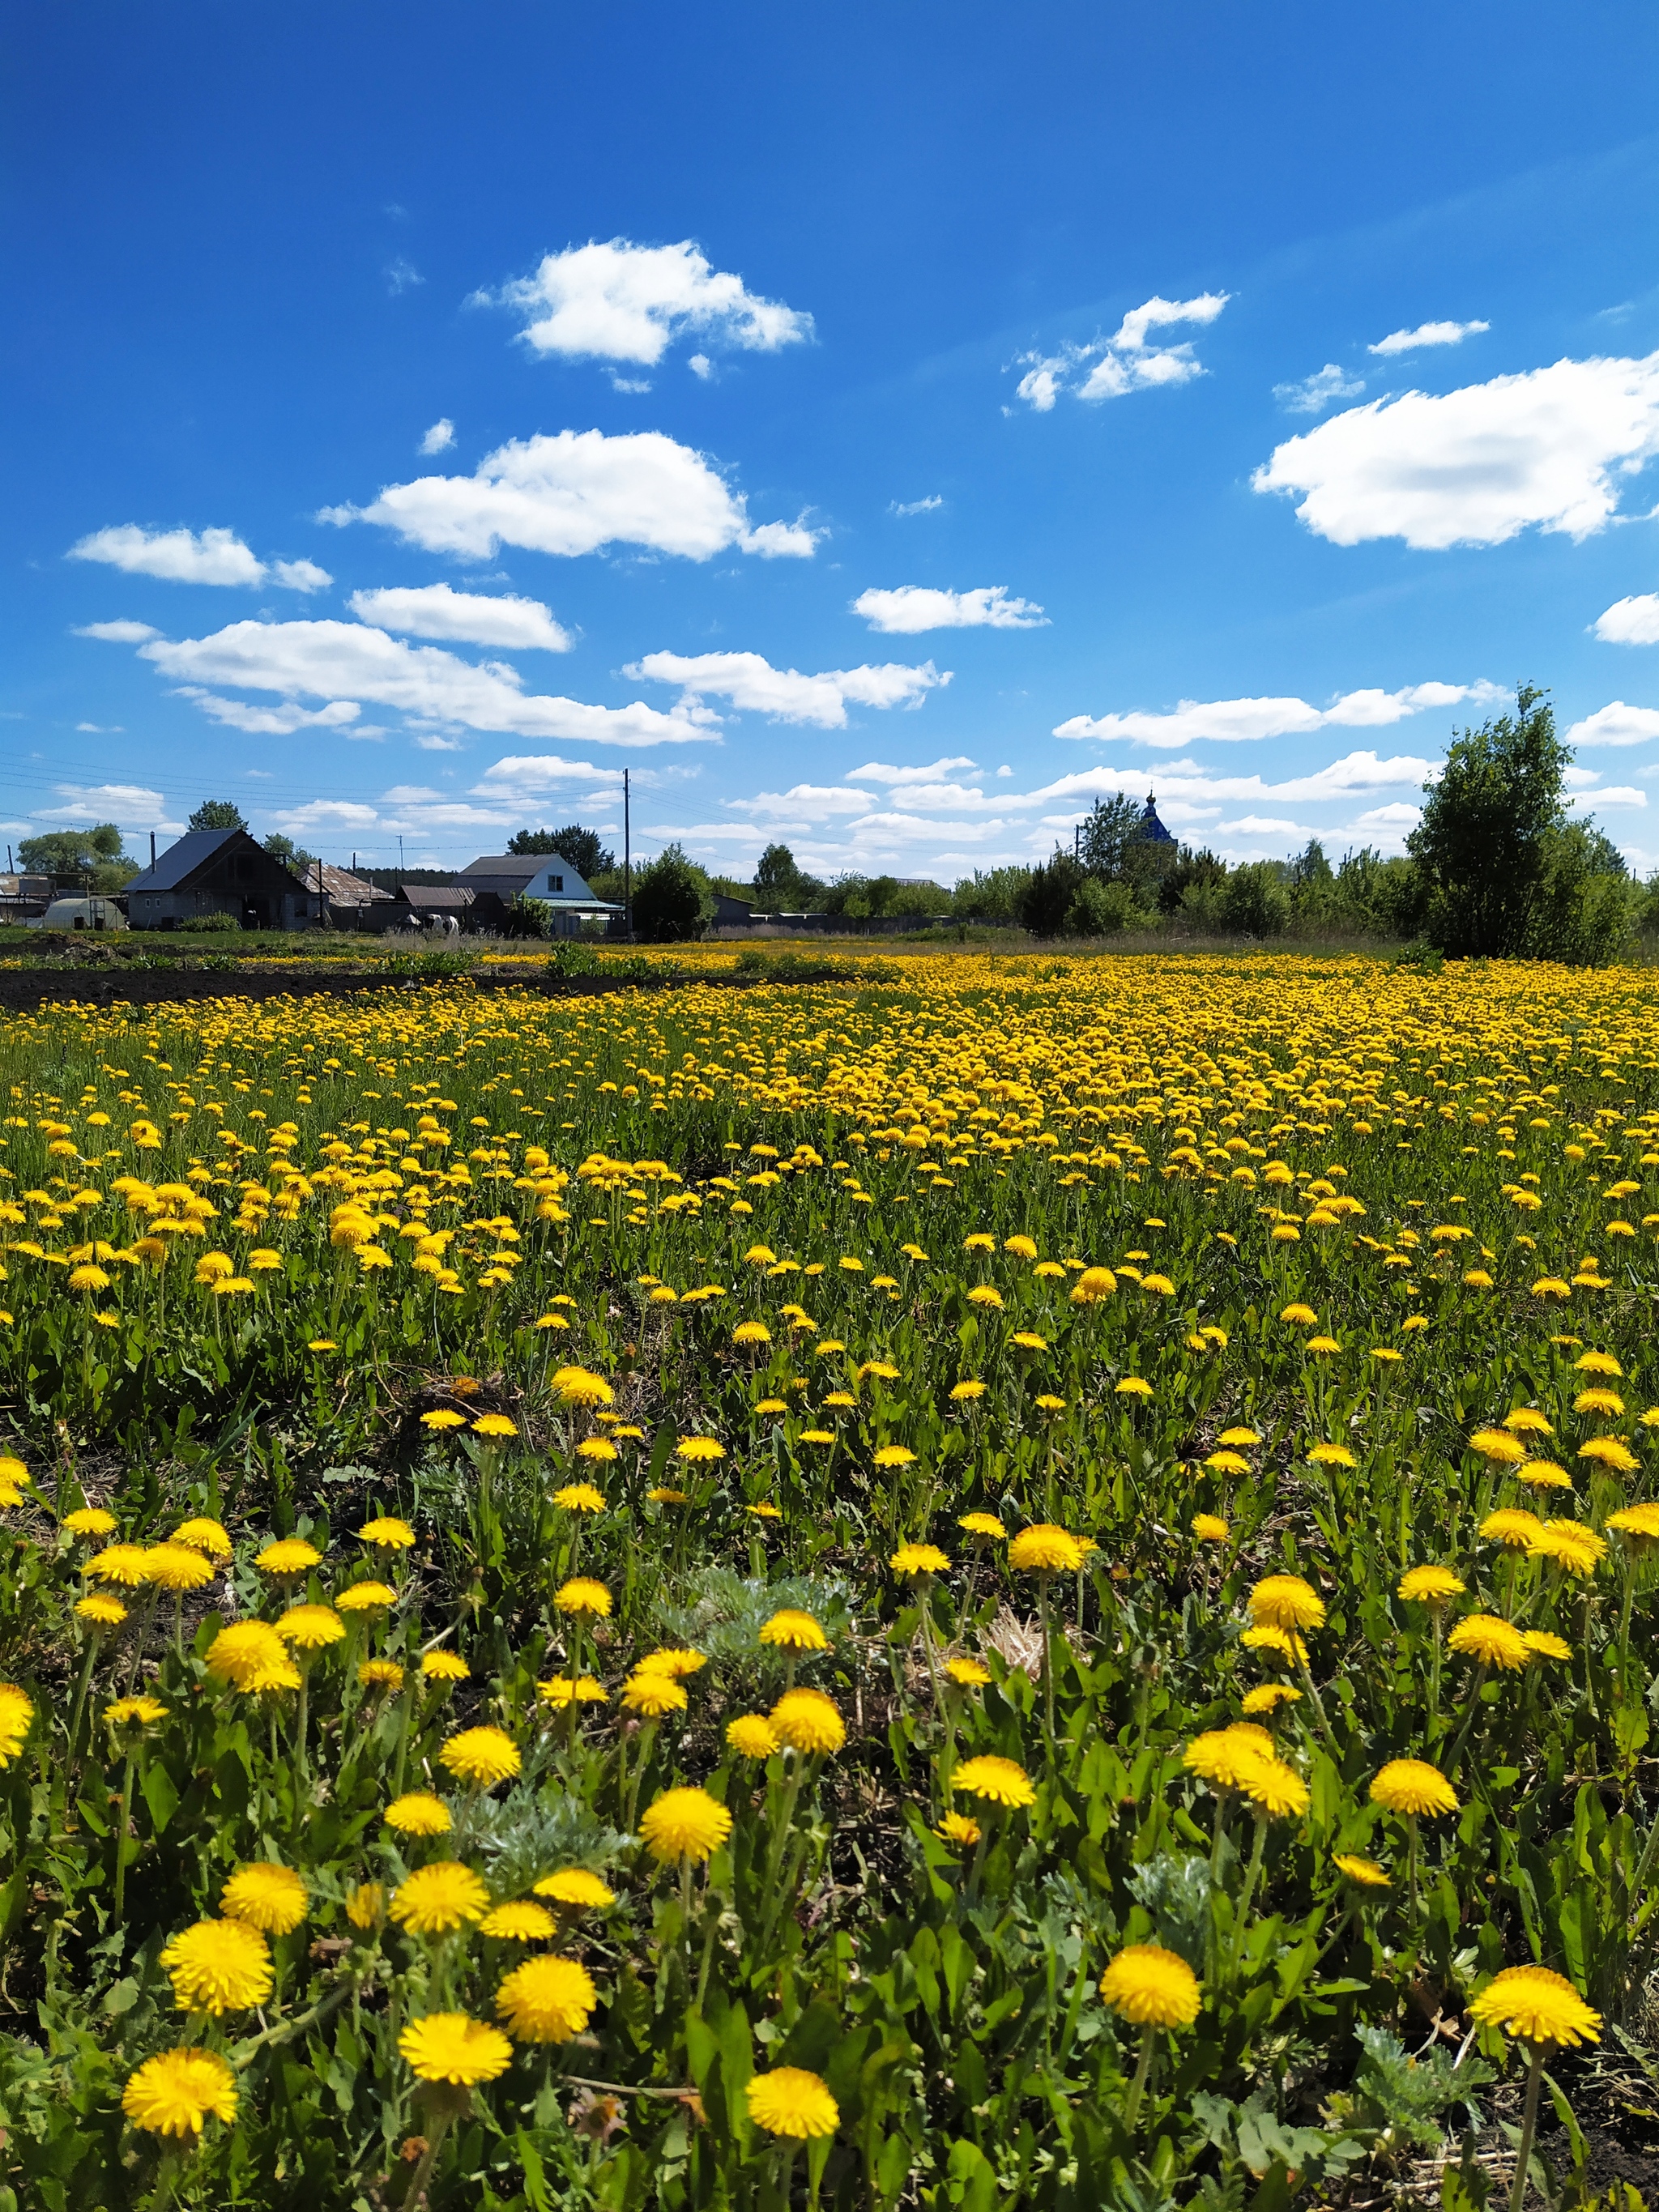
(672, 903)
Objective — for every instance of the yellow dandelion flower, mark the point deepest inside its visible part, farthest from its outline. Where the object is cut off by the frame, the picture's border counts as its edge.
(791, 2101)
(452, 2047)
(265, 1896)
(1151, 1986)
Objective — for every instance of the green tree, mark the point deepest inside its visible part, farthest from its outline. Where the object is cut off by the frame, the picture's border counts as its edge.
(780, 885)
(1255, 902)
(74, 857)
(1099, 910)
(672, 899)
(1587, 905)
(1106, 833)
(1483, 842)
(994, 895)
(585, 850)
(294, 858)
(218, 814)
(1047, 898)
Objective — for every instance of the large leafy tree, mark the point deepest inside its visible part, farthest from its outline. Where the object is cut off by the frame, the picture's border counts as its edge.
(294, 858)
(583, 848)
(671, 901)
(75, 857)
(218, 814)
(1483, 842)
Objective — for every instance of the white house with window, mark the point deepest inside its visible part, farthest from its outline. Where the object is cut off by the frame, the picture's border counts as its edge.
(546, 876)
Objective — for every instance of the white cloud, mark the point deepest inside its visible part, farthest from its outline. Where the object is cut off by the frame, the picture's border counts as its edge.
(440, 438)
(326, 814)
(1616, 725)
(466, 617)
(523, 776)
(915, 506)
(345, 661)
(301, 576)
(620, 301)
(1316, 392)
(700, 365)
(754, 686)
(1614, 794)
(117, 633)
(910, 608)
(103, 729)
(271, 721)
(1476, 466)
(1427, 334)
(402, 276)
(178, 557)
(573, 494)
(1124, 362)
(1231, 720)
(1263, 826)
(130, 805)
(1630, 622)
(1395, 816)
(1338, 779)
(879, 772)
(1004, 770)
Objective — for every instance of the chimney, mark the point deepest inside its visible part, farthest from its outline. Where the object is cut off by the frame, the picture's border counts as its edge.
(152, 848)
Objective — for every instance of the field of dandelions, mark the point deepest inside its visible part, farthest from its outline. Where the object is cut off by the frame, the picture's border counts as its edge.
(1027, 1586)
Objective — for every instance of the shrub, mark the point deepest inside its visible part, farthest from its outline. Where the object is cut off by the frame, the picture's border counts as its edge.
(215, 925)
(1100, 910)
(671, 900)
(1255, 902)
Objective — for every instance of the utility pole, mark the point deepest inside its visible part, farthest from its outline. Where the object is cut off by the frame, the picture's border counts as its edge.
(627, 866)
(400, 854)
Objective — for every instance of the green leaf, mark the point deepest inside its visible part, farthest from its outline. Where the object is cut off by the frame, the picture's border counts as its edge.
(160, 1795)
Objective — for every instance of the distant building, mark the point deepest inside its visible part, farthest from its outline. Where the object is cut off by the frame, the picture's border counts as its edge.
(498, 878)
(1152, 829)
(349, 902)
(25, 898)
(732, 912)
(220, 872)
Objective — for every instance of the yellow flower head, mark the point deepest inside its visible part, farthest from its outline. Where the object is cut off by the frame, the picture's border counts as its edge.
(971, 1673)
(1000, 1781)
(1412, 1786)
(127, 1564)
(1576, 1550)
(381, 1674)
(546, 2001)
(481, 1756)
(1210, 1529)
(1269, 1697)
(1287, 1601)
(791, 2101)
(919, 1559)
(580, 1597)
(685, 1823)
(1612, 1453)
(1512, 1527)
(1044, 1548)
(310, 1627)
(128, 1712)
(437, 1898)
(172, 2093)
(581, 1497)
(1365, 1872)
(518, 1922)
(203, 1534)
(1093, 1286)
(699, 1450)
(576, 1888)
(652, 1694)
(575, 1386)
(1498, 1446)
(386, 1534)
(1493, 1642)
(265, 1896)
(250, 1655)
(809, 1722)
(959, 1830)
(1537, 2006)
(452, 2047)
(752, 1735)
(90, 1521)
(495, 1425)
(793, 1630)
(218, 1966)
(1430, 1586)
(365, 1905)
(418, 1813)
(366, 1597)
(100, 1610)
(1152, 1986)
(444, 1666)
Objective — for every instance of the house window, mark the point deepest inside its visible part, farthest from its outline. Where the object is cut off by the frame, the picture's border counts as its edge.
(558, 883)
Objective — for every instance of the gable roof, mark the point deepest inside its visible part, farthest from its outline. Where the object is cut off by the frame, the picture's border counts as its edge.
(342, 888)
(506, 867)
(181, 859)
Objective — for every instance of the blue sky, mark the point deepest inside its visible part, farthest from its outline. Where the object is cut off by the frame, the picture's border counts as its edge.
(881, 429)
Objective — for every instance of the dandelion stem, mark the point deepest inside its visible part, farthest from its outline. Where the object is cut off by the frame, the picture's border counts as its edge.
(1257, 1848)
(1137, 2087)
(1528, 2128)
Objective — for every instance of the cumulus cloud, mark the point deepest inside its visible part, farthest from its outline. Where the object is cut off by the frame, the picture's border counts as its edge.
(1616, 725)
(1427, 334)
(1630, 622)
(1316, 392)
(117, 633)
(271, 721)
(526, 775)
(129, 806)
(1124, 362)
(342, 662)
(915, 506)
(1612, 794)
(402, 276)
(910, 607)
(1339, 779)
(619, 302)
(752, 685)
(440, 438)
(1545, 449)
(1234, 720)
(177, 556)
(301, 576)
(574, 492)
(880, 772)
(465, 618)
